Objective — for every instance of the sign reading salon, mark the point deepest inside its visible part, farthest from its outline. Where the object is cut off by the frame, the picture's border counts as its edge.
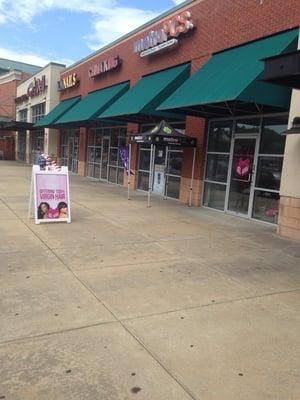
(166, 36)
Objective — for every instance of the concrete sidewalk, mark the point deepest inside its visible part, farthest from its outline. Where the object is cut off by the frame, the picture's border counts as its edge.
(127, 302)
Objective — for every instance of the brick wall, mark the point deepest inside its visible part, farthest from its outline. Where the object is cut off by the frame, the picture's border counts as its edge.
(219, 25)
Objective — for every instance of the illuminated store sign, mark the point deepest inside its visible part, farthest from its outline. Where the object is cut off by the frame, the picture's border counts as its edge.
(103, 66)
(37, 87)
(165, 36)
(68, 82)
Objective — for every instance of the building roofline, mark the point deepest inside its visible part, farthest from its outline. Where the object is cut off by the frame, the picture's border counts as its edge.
(131, 33)
(41, 70)
(21, 62)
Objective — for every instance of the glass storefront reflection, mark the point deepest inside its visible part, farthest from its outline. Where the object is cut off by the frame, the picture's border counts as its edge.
(266, 205)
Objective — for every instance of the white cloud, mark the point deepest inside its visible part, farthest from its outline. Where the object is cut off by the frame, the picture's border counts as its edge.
(115, 23)
(29, 58)
(178, 1)
(26, 10)
(110, 20)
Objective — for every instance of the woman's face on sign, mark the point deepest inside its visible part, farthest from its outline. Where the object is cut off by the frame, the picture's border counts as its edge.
(44, 208)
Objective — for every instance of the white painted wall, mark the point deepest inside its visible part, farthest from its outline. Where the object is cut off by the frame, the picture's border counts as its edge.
(50, 97)
(290, 180)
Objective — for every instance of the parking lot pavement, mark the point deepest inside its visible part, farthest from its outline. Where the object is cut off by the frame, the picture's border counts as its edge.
(149, 303)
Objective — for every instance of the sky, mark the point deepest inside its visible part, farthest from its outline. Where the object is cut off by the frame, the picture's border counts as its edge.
(40, 31)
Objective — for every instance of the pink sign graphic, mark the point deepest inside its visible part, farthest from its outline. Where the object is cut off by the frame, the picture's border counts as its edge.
(52, 196)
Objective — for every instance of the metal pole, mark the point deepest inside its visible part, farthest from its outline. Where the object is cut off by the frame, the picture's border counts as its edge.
(128, 177)
(30, 196)
(166, 168)
(150, 176)
(192, 178)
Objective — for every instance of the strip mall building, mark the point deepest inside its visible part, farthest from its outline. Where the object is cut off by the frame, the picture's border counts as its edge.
(200, 67)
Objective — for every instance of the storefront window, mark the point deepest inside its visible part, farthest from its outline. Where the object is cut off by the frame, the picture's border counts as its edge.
(254, 195)
(269, 167)
(217, 167)
(143, 180)
(220, 137)
(247, 126)
(266, 205)
(167, 165)
(103, 158)
(22, 145)
(69, 144)
(269, 172)
(175, 163)
(23, 115)
(217, 163)
(271, 140)
(173, 187)
(37, 112)
(214, 195)
(144, 163)
(37, 145)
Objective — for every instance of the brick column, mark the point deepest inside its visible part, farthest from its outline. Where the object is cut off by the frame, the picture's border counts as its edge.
(82, 151)
(132, 128)
(195, 127)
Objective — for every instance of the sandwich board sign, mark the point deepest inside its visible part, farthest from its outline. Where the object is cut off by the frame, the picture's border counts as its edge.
(50, 195)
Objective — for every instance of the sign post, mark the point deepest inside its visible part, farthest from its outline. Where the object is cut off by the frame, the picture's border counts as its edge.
(49, 195)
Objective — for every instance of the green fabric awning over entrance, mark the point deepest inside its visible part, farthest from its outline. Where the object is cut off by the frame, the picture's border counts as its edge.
(92, 105)
(57, 112)
(148, 93)
(230, 83)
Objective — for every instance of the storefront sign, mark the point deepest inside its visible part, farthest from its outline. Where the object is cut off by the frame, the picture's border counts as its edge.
(51, 195)
(68, 82)
(103, 66)
(37, 87)
(169, 43)
(124, 155)
(21, 99)
(164, 37)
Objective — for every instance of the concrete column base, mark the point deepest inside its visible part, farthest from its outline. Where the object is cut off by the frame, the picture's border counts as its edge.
(81, 168)
(289, 217)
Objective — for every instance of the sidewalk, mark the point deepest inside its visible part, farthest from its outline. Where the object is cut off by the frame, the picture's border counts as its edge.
(128, 302)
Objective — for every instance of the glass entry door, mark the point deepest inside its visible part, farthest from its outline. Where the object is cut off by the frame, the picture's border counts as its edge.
(241, 187)
(105, 156)
(73, 154)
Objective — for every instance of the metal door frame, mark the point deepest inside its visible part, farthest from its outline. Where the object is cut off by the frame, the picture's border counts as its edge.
(108, 151)
(256, 137)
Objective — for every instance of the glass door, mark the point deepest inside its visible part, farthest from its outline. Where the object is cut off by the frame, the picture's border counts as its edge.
(73, 154)
(240, 196)
(104, 158)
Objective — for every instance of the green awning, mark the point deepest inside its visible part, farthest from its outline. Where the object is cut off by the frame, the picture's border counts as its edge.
(92, 105)
(229, 83)
(57, 112)
(148, 93)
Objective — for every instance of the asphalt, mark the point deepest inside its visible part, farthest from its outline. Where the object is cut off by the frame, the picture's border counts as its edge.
(129, 302)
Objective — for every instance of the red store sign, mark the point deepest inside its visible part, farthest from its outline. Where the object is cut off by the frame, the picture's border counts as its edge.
(103, 66)
(37, 87)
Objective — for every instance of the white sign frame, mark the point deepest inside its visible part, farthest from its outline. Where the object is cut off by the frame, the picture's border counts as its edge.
(33, 194)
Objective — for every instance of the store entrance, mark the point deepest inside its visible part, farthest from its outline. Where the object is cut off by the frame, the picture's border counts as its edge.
(37, 145)
(73, 154)
(22, 145)
(241, 187)
(159, 177)
(105, 157)
(167, 170)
